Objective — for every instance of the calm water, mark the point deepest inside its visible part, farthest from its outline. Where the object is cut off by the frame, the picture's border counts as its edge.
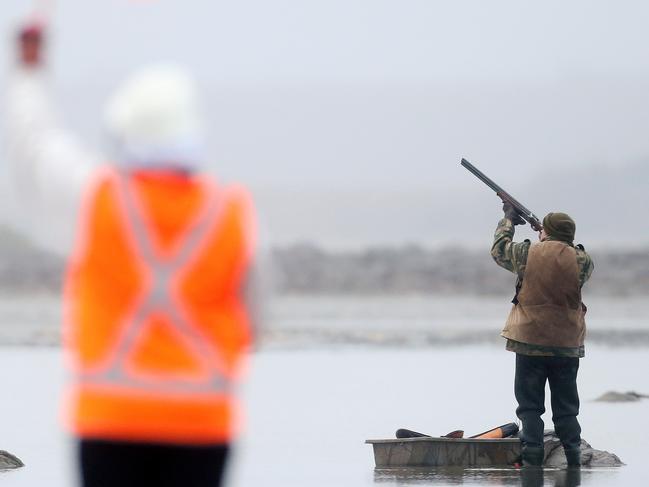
(308, 413)
(310, 405)
(392, 321)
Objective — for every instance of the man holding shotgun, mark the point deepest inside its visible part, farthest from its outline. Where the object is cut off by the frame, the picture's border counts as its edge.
(546, 326)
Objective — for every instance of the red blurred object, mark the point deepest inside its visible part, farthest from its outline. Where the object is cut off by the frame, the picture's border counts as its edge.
(30, 40)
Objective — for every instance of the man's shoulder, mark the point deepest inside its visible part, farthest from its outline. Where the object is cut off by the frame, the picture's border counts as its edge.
(579, 250)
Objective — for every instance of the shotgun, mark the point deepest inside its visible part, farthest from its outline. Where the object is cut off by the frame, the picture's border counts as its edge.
(525, 214)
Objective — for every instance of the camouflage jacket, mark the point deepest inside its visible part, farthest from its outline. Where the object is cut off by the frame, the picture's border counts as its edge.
(513, 256)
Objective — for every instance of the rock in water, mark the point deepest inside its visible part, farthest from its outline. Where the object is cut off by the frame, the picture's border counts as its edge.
(590, 457)
(614, 396)
(9, 461)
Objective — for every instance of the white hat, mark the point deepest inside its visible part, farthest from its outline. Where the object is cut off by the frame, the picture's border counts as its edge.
(154, 118)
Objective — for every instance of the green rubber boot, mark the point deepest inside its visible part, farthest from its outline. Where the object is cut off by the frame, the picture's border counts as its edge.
(573, 457)
(532, 456)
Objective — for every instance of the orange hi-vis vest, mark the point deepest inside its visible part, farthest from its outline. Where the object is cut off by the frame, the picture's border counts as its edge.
(156, 323)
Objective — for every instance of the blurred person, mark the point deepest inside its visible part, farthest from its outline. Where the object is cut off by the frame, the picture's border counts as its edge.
(158, 290)
(545, 328)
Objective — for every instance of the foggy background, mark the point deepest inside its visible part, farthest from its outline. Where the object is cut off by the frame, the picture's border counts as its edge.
(348, 118)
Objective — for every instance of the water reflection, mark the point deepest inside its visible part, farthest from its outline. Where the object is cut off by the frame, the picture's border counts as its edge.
(524, 477)
(535, 477)
(568, 477)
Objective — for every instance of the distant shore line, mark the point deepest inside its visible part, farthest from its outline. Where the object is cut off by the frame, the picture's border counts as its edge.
(299, 339)
(312, 270)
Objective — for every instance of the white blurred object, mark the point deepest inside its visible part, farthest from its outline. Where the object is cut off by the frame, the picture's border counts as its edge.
(154, 118)
(48, 166)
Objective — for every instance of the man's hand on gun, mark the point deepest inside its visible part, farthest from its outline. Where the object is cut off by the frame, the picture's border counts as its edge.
(512, 214)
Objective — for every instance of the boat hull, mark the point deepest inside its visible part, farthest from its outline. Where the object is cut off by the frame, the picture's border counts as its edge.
(444, 452)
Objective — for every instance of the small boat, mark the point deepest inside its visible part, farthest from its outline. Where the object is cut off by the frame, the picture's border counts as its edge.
(438, 452)
(493, 448)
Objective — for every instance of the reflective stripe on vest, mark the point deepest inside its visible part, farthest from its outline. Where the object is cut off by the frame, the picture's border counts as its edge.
(162, 269)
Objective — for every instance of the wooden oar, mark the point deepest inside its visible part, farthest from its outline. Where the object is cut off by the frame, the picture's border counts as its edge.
(503, 431)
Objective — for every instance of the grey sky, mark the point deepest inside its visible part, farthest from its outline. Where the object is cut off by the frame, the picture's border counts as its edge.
(357, 108)
(343, 40)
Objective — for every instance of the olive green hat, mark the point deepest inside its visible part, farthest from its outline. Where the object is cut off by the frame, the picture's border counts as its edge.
(559, 226)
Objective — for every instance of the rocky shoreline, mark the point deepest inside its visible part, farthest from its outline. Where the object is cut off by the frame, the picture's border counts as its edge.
(392, 270)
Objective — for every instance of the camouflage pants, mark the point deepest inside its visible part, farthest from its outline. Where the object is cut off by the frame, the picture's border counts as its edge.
(529, 387)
